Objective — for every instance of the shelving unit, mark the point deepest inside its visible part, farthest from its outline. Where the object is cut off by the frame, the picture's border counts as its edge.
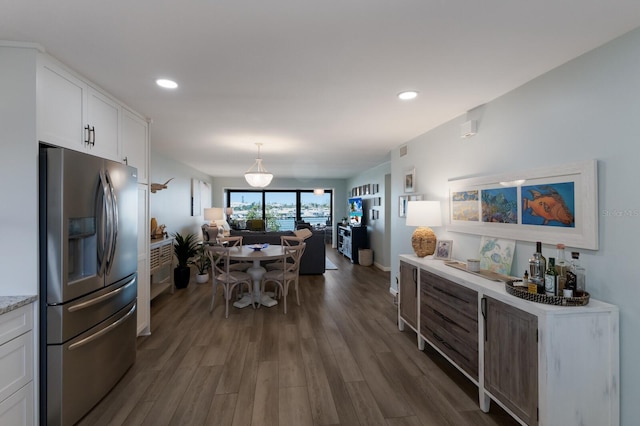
(350, 240)
(160, 263)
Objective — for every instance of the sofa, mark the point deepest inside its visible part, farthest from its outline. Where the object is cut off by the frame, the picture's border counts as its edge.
(313, 259)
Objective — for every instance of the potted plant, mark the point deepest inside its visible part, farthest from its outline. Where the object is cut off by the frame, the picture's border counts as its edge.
(184, 249)
(202, 264)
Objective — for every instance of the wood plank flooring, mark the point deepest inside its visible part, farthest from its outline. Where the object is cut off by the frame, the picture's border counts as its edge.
(337, 359)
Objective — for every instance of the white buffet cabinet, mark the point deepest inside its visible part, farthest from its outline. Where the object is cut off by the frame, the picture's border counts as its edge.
(544, 364)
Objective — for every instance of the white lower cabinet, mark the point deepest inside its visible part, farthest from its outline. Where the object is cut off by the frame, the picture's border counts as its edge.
(545, 365)
(16, 367)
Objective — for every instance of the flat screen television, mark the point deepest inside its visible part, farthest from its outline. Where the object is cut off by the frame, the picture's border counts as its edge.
(355, 211)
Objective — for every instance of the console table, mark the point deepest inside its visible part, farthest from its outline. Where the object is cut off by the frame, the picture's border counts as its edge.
(544, 364)
(160, 266)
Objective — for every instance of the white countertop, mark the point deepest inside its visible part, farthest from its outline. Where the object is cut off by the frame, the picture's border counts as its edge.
(497, 289)
(9, 303)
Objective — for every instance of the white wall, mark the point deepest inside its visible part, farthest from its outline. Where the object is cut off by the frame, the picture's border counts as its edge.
(172, 206)
(377, 230)
(18, 172)
(588, 108)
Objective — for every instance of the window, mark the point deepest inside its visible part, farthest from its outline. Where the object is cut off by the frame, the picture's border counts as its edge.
(281, 209)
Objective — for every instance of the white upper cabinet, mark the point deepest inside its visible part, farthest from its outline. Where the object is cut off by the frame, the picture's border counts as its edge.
(135, 143)
(103, 122)
(74, 115)
(61, 102)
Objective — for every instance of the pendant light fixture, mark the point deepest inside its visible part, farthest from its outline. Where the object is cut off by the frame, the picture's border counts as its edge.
(257, 176)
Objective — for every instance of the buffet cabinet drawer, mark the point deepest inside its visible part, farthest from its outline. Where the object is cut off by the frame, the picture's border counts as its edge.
(449, 320)
(444, 292)
(465, 356)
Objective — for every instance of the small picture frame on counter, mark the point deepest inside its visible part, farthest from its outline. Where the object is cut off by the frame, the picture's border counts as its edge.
(443, 249)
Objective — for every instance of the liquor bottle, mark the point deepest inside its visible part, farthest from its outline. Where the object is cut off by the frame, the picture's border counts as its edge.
(531, 286)
(551, 279)
(576, 275)
(537, 266)
(562, 267)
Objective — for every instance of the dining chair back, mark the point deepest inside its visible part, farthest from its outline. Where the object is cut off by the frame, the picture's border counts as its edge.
(222, 274)
(289, 274)
(235, 241)
(285, 241)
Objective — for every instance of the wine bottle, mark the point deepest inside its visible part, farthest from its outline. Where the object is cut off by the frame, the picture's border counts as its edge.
(551, 279)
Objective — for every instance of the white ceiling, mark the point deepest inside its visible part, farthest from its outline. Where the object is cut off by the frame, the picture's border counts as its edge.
(315, 82)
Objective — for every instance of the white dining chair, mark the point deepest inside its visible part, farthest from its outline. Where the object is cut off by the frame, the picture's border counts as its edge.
(286, 241)
(223, 274)
(290, 274)
(235, 241)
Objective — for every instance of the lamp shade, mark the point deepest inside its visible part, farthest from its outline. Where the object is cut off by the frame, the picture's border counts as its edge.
(424, 213)
(213, 213)
(229, 211)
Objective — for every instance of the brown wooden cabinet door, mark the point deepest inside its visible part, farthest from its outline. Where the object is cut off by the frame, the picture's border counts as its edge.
(409, 293)
(511, 358)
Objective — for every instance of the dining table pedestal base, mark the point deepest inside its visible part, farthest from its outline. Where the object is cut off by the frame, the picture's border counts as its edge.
(256, 271)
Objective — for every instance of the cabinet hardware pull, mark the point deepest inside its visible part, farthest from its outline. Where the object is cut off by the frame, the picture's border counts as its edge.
(483, 308)
(92, 133)
(444, 317)
(87, 134)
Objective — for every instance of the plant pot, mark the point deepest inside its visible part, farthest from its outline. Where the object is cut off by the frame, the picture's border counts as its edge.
(202, 278)
(181, 276)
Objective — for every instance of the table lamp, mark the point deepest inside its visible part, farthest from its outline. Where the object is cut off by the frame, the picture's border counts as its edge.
(212, 215)
(424, 214)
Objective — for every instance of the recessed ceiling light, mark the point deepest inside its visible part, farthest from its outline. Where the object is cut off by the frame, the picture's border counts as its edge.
(167, 84)
(405, 96)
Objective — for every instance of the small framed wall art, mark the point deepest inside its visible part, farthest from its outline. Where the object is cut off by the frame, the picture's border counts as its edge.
(402, 205)
(410, 180)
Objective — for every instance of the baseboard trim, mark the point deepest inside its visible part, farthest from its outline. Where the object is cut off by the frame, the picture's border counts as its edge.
(382, 267)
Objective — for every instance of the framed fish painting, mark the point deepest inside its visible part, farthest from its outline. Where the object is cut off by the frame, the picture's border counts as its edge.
(557, 204)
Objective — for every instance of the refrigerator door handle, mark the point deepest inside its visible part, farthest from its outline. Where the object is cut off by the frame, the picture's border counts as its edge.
(102, 332)
(89, 303)
(113, 225)
(102, 214)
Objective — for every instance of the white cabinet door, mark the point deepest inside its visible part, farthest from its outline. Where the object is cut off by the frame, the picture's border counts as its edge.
(103, 119)
(17, 410)
(61, 102)
(74, 115)
(135, 143)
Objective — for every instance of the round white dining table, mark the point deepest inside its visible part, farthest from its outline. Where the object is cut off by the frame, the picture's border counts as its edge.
(246, 253)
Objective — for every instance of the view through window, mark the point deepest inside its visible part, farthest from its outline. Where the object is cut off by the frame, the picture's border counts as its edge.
(281, 209)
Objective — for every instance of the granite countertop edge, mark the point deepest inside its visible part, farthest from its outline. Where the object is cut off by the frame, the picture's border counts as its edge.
(10, 303)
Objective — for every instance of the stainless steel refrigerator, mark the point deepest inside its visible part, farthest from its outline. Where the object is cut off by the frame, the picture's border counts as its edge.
(88, 280)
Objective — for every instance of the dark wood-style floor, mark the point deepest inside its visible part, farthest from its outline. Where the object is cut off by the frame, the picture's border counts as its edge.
(338, 359)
